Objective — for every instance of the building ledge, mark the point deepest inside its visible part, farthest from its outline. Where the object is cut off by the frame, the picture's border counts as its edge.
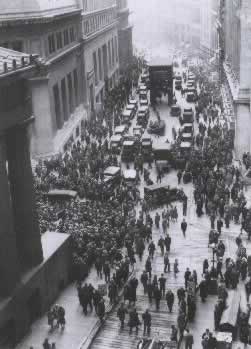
(85, 15)
(94, 35)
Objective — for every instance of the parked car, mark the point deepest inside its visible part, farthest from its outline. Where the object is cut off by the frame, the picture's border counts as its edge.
(157, 127)
(115, 144)
(175, 110)
(190, 98)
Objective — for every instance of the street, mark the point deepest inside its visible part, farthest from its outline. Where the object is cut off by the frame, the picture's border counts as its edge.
(190, 252)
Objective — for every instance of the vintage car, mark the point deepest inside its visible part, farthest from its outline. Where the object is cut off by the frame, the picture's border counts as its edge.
(143, 102)
(59, 195)
(187, 118)
(186, 137)
(129, 150)
(120, 130)
(112, 176)
(163, 194)
(190, 98)
(185, 148)
(115, 143)
(130, 177)
(144, 78)
(178, 84)
(126, 117)
(143, 116)
(157, 127)
(146, 147)
(187, 128)
(175, 110)
(132, 109)
(138, 131)
(134, 102)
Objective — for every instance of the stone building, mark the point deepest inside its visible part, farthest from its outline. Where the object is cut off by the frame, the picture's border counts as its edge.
(235, 39)
(79, 43)
(124, 33)
(208, 27)
(100, 49)
(33, 269)
(40, 27)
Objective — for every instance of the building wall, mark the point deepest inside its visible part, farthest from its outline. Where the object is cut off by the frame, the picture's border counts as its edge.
(44, 284)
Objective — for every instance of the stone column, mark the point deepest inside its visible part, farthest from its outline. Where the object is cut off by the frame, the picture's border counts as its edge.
(9, 266)
(23, 197)
(44, 125)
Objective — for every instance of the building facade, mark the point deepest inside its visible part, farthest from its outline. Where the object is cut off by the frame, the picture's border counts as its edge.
(79, 44)
(124, 33)
(235, 45)
(183, 23)
(208, 28)
(100, 50)
(54, 34)
(32, 267)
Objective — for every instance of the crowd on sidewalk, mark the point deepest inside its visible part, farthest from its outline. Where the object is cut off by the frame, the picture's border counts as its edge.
(107, 234)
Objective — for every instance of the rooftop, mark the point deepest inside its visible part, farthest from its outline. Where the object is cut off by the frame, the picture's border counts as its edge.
(35, 9)
(12, 60)
(160, 61)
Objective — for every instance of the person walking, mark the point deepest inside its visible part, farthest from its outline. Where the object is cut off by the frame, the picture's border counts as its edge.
(168, 241)
(174, 334)
(121, 313)
(144, 279)
(176, 267)
(46, 344)
(157, 297)
(188, 339)
(169, 300)
(147, 320)
(162, 285)
(183, 227)
(166, 262)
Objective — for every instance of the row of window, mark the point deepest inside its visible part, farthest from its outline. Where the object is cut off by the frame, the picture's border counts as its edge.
(60, 39)
(102, 59)
(66, 97)
(96, 22)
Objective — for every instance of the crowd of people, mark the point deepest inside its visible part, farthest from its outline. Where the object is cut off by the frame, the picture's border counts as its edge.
(107, 234)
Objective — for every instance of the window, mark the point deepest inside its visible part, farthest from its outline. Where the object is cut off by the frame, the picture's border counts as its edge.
(57, 106)
(51, 40)
(17, 45)
(100, 64)
(64, 98)
(66, 37)
(69, 80)
(116, 48)
(95, 67)
(113, 60)
(72, 34)
(75, 81)
(59, 40)
(109, 54)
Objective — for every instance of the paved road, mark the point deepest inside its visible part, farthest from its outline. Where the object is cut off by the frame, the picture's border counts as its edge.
(190, 251)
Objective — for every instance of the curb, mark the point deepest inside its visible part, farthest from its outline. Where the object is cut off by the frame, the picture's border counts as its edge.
(87, 342)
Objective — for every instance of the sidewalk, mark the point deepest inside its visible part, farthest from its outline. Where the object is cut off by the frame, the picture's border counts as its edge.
(78, 326)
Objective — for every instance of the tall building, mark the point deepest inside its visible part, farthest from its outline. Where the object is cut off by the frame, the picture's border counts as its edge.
(183, 23)
(100, 49)
(208, 28)
(54, 33)
(235, 41)
(81, 43)
(124, 33)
